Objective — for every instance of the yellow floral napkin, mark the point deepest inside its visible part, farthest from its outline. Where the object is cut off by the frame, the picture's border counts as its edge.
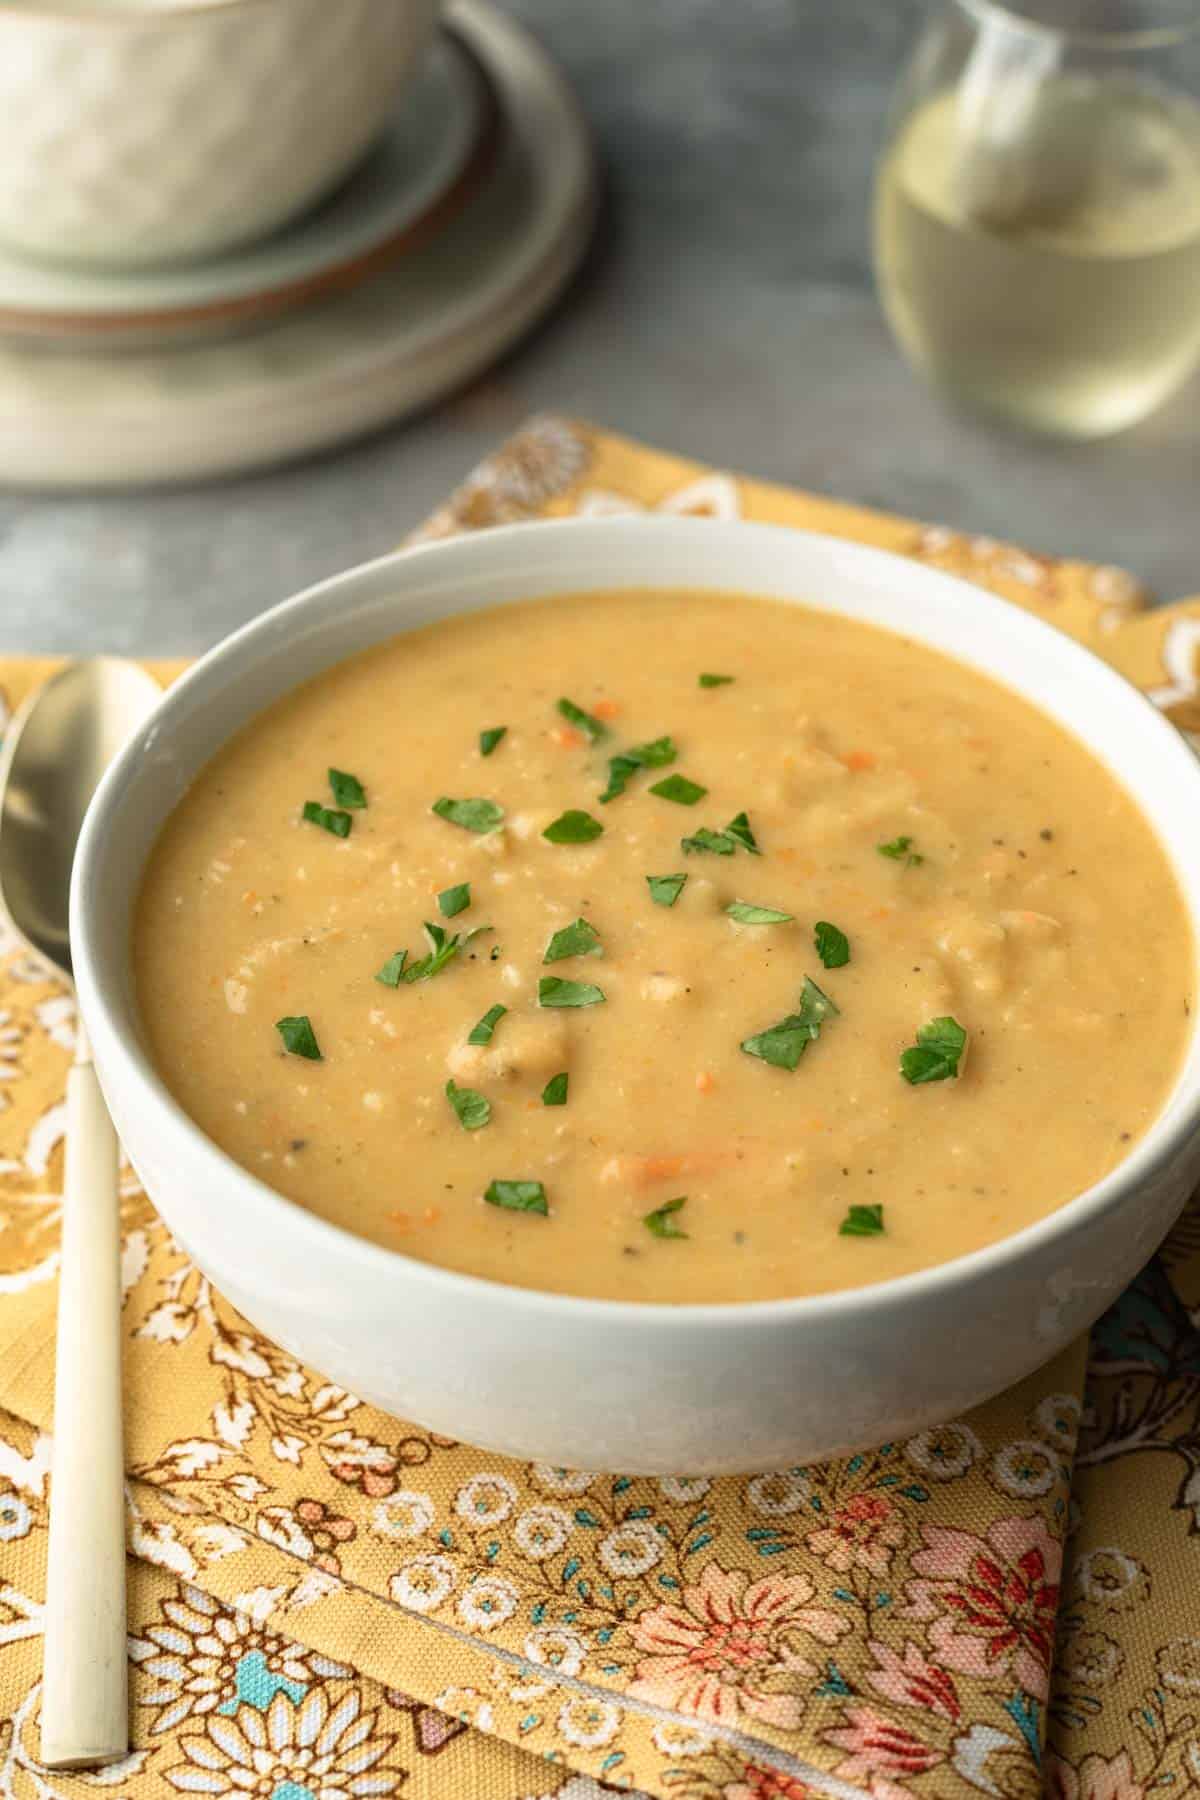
(330, 1604)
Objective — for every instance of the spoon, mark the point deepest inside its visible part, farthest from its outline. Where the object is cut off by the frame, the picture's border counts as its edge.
(55, 753)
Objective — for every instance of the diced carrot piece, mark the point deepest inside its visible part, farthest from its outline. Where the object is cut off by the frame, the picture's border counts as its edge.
(882, 912)
(606, 709)
(706, 1081)
(858, 760)
(401, 1220)
(566, 737)
(431, 1215)
(644, 1171)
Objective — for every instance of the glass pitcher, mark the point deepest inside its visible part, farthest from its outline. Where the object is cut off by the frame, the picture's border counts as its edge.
(1037, 212)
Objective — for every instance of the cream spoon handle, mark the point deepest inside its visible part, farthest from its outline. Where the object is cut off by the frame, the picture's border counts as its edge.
(85, 1718)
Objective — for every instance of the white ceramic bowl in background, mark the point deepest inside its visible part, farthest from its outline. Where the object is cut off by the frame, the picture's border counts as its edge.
(134, 134)
(604, 1384)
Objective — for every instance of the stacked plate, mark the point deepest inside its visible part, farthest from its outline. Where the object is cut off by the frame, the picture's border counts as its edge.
(458, 231)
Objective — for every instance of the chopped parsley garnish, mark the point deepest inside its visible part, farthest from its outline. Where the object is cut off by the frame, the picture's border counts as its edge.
(554, 991)
(661, 1222)
(719, 843)
(665, 889)
(745, 914)
(393, 969)
(579, 939)
(737, 835)
(328, 818)
(490, 738)
(900, 850)
(655, 755)
(862, 1221)
(453, 900)
(299, 1038)
(442, 950)
(472, 815)
(936, 1055)
(347, 789)
(739, 828)
(832, 945)
(715, 680)
(555, 1091)
(517, 1196)
(471, 1109)
(573, 827)
(679, 789)
(591, 728)
(784, 1044)
(482, 1033)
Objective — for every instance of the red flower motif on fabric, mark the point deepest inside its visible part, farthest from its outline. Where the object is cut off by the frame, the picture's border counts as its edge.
(993, 1599)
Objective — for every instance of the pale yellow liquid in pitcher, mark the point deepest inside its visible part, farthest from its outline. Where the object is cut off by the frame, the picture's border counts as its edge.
(1077, 309)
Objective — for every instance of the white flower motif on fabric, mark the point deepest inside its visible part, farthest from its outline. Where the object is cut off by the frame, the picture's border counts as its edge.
(1025, 1469)
(1111, 1578)
(558, 1648)
(542, 1531)
(588, 1724)
(328, 1754)
(467, 1705)
(486, 1499)
(684, 1488)
(487, 1601)
(945, 1452)
(711, 496)
(562, 1481)
(1056, 1420)
(407, 1513)
(632, 1549)
(775, 1495)
(1181, 660)
(681, 1740)
(424, 1583)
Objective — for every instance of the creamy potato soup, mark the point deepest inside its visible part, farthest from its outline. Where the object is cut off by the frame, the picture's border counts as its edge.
(664, 946)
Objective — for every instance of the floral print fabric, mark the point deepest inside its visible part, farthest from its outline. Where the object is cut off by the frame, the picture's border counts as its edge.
(329, 1604)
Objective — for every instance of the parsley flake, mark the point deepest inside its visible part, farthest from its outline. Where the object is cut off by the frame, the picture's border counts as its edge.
(716, 680)
(745, 914)
(591, 727)
(554, 991)
(517, 1196)
(328, 818)
(579, 939)
(862, 1221)
(665, 889)
(490, 738)
(655, 755)
(347, 789)
(737, 835)
(937, 1052)
(573, 827)
(473, 815)
(832, 945)
(299, 1038)
(784, 1044)
(900, 850)
(453, 900)
(472, 1110)
(393, 969)
(555, 1091)
(661, 1223)
(482, 1032)
(679, 789)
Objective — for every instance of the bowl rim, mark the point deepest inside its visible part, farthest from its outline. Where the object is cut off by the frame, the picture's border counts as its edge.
(123, 14)
(1151, 1153)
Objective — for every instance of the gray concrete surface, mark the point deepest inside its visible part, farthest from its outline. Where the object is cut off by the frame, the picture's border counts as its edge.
(728, 312)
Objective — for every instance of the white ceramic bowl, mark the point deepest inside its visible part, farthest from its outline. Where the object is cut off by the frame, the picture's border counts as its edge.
(137, 134)
(603, 1384)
